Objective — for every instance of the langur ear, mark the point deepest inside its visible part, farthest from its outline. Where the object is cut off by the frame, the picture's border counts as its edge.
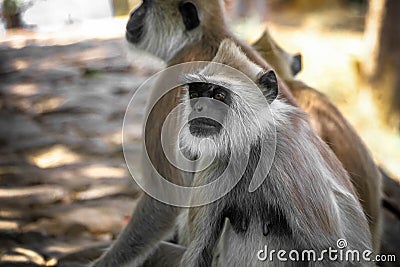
(190, 15)
(297, 64)
(269, 86)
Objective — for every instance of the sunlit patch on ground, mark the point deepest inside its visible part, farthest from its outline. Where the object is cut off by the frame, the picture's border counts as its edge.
(101, 171)
(25, 89)
(21, 64)
(92, 54)
(8, 225)
(32, 195)
(114, 138)
(55, 156)
(47, 105)
(25, 255)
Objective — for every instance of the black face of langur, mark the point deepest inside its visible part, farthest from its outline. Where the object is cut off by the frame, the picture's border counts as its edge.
(208, 109)
(163, 26)
(210, 104)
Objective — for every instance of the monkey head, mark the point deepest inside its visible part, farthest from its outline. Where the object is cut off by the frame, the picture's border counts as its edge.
(209, 107)
(285, 64)
(227, 104)
(164, 27)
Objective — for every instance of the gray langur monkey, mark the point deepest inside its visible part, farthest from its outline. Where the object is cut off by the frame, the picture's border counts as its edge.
(183, 31)
(162, 28)
(306, 201)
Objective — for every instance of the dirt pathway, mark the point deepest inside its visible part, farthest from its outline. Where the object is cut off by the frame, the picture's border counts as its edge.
(64, 185)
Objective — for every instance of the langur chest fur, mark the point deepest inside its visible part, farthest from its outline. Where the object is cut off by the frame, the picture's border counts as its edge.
(245, 209)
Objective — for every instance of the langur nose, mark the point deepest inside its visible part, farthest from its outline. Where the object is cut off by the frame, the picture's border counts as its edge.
(198, 107)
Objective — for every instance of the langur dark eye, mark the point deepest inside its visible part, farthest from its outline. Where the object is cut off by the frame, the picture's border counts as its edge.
(219, 96)
(194, 95)
(190, 15)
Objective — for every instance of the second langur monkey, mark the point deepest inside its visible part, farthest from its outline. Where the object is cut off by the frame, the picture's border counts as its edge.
(182, 31)
(306, 202)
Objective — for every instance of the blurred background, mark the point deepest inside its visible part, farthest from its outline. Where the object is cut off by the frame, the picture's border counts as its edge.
(66, 80)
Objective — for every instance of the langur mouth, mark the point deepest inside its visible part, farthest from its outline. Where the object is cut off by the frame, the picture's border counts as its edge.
(203, 127)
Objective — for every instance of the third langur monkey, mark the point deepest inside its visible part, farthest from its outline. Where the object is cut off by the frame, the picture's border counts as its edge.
(335, 130)
(182, 31)
(306, 201)
(286, 65)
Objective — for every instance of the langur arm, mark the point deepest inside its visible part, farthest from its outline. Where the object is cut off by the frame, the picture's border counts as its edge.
(142, 234)
(206, 229)
(166, 255)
